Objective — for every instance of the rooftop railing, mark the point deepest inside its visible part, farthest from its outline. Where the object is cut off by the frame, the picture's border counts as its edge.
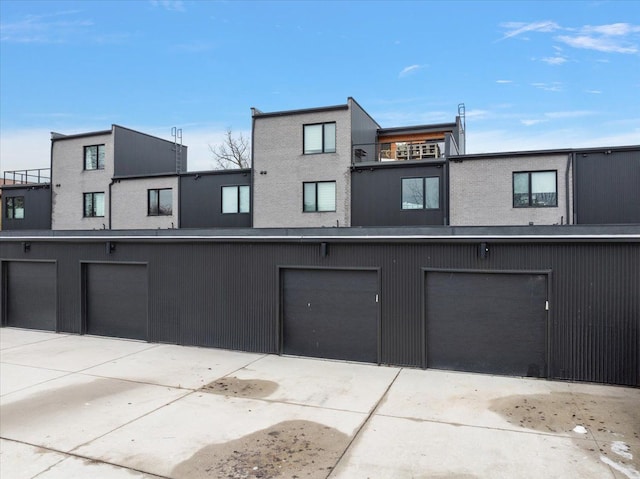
(25, 177)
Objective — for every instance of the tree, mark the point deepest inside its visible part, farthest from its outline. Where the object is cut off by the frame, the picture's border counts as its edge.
(232, 153)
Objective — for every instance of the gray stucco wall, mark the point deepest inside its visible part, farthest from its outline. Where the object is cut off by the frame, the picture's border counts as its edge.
(129, 204)
(280, 168)
(69, 181)
(481, 191)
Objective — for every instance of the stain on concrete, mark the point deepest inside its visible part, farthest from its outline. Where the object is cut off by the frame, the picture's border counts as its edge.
(613, 421)
(72, 398)
(244, 388)
(290, 449)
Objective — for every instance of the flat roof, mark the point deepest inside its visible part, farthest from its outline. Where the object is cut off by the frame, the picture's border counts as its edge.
(559, 151)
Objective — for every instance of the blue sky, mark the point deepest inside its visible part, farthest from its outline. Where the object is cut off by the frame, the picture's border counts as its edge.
(532, 75)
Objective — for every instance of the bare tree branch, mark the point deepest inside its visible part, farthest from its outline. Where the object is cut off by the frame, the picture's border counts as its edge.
(233, 153)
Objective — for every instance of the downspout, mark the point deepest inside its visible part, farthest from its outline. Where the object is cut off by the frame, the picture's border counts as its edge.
(110, 185)
(252, 166)
(566, 187)
(52, 185)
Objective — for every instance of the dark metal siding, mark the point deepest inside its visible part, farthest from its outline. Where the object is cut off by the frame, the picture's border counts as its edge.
(225, 294)
(363, 131)
(37, 208)
(201, 200)
(137, 154)
(384, 206)
(607, 187)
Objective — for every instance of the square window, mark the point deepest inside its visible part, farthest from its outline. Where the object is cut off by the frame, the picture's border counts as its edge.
(319, 196)
(14, 208)
(535, 189)
(93, 205)
(160, 202)
(236, 199)
(319, 138)
(94, 157)
(421, 193)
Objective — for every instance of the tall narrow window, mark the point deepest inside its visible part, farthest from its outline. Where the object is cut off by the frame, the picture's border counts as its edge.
(160, 202)
(319, 138)
(93, 204)
(421, 193)
(15, 208)
(535, 189)
(319, 196)
(236, 199)
(94, 157)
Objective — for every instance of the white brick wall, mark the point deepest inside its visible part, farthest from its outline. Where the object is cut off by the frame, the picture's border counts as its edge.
(481, 191)
(277, 146)
(70, 181)
(129, 204)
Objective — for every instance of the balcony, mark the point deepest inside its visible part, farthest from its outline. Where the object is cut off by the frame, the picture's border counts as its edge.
(398, 151)
(27, 177)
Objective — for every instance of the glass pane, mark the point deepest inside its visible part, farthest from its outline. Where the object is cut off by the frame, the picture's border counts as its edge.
(543, 188)
(90, 158)
(312, 139)
(101, 157)
(327, 196)
(229, 199)
(244, 199)
(19, 208)
(432, 197)
(88, 204)
(521, 189)
(9, 210)
(153, 202)
(412, 193)
(309, 201)
(166, 202)
(330, 137)
(99, 204)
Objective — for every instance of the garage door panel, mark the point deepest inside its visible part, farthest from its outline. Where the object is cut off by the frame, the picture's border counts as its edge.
(330, 314)
(489, 323)
(31, 295)
(116, 298)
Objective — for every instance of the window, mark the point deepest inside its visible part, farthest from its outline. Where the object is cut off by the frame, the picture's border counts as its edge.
(160, 202)
(93, 204)
(94, 157)
(15, 208)
(235, 199)
(319, 138)
(535, 189)
(421, 193)
(319, 196)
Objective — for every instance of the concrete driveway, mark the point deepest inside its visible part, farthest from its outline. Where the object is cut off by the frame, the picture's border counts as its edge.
(83, 406)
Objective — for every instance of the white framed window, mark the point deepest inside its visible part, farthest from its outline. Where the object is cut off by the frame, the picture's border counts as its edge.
(94, 157)
(535, 189)
(160, 202)
(421, 193)
(319, 138)
(93, 204)
(236, 199)
(319, 196)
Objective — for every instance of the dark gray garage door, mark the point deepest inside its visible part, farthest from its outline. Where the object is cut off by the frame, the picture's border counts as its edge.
(488, 323)
(116, 299)
(331, 314)
(31, 295)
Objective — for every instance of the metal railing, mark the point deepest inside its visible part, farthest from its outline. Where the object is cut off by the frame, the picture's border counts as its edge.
(398, 151)
(24, 177)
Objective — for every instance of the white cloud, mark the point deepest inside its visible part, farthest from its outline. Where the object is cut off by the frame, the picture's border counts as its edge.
(515, 29)
(532, 122)
(553, 86)
(594, 92)
(504, 81)
(557, 60)
(170, 5)
(48, 28)
(407, 70)
(601, 44)
(613, 29)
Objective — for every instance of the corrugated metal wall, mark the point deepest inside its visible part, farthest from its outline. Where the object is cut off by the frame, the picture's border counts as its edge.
(225, 294)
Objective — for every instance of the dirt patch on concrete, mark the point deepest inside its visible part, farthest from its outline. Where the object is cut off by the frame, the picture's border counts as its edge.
(244, 388)
(610, 424)
(290, 449)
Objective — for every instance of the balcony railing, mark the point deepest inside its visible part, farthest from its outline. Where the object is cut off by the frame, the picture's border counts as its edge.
(24, 177)
(398, 151)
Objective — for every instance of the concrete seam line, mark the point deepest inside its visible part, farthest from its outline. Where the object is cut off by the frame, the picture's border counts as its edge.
(364, 423)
